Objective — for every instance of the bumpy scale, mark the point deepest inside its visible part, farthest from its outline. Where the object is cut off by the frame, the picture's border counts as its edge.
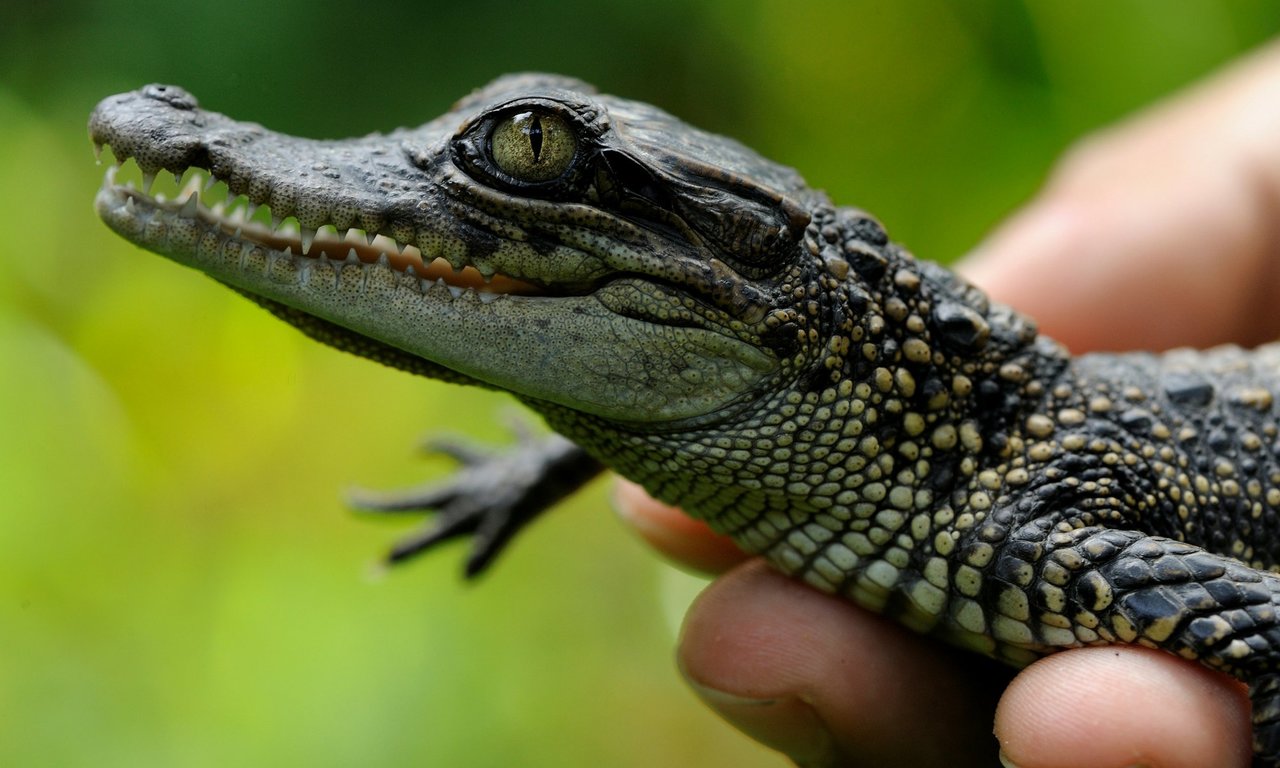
(696, 318)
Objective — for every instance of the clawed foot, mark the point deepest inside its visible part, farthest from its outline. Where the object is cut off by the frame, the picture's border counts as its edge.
(493, 494)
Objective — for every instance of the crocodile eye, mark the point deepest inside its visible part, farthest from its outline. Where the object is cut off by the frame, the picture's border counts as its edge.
(532, 146)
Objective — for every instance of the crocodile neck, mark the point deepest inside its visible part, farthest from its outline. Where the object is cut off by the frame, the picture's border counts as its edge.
(900, 383)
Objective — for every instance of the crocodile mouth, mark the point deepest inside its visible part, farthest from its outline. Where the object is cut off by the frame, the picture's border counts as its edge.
(197, 196)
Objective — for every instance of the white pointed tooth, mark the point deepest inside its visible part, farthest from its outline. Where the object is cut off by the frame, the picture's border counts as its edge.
(192, 186)
(384, 243)
(352, 258)
(384, 260)
(275, 220)
(308, 236)
(147, 180)
(128, 203)
(328, 234)
(413, 253)
(250, 208)
(211, 182)
(111, 173)
(192, 205)
(354, 235)
(97, 152)
(456, 291)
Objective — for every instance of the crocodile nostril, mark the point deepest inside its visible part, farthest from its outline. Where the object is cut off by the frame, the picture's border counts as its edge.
(172, 95)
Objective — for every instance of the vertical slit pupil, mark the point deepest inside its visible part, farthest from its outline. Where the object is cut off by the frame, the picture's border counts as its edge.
(535, 137)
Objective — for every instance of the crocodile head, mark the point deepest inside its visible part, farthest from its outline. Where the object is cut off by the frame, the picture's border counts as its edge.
(573, 248)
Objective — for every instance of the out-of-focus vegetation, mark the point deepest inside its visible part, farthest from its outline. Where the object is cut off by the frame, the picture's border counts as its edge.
(179, 582)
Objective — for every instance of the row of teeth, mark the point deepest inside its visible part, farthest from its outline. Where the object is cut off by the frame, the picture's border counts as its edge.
(241, 218)
(235, 213)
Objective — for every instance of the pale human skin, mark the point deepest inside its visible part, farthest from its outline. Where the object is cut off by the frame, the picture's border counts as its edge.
(1163, 231)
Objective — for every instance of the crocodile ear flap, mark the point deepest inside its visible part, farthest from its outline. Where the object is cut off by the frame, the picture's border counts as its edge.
(753, 226)
(748, 224)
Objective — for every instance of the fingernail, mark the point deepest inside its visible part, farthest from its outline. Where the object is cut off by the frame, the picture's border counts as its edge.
(1006, 762)
(623, 499)
(784, 723)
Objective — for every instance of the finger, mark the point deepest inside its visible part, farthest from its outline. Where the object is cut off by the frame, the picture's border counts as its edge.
(1122, 706)
(1159, 232)
(831, 684)
(679, 537)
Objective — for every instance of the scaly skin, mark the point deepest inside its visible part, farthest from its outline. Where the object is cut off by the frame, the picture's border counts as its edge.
(694, 317)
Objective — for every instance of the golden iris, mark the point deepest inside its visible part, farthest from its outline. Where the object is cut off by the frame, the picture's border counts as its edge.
(533, 146)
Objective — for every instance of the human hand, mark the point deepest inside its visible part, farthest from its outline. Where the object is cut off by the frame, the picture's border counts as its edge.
(1163, 231)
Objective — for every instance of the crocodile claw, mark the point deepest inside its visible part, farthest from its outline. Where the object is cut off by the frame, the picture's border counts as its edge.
(493, 495)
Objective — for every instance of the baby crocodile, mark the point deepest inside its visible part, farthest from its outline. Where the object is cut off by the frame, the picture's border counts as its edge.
(696, 318)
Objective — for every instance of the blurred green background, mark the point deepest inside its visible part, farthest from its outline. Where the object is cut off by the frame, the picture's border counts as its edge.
(179, 582)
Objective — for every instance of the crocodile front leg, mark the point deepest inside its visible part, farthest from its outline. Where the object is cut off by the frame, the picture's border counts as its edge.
(491, 497)
(1057, 587)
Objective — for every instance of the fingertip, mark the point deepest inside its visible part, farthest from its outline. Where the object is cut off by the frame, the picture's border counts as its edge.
(1031, 259)
(738, 652)
(1087, 291)
(812, 675)
(688, 542)
(750, 633)
(1122, 705)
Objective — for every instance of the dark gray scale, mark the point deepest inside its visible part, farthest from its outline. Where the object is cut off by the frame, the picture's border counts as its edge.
(1215, 415)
